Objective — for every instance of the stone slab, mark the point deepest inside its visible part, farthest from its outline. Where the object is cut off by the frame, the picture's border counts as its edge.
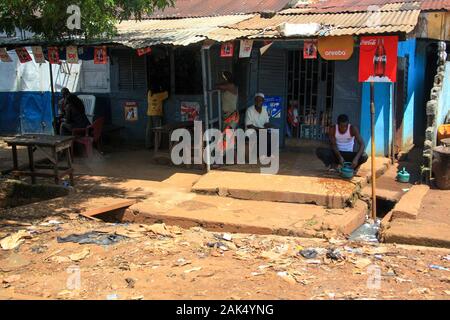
(410, 203)
(247, 216)
(328, 192)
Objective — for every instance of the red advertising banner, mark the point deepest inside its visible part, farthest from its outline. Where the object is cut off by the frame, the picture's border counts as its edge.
(72, 54)
(53, 55)
(310, 49)
(4, 56)
(227, 50)
(23, 55)
(100, 55)
(142, 51)
(38, 54)
(378, 59)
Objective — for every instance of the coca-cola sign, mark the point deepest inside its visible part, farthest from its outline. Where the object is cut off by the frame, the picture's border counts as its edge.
(378, 59)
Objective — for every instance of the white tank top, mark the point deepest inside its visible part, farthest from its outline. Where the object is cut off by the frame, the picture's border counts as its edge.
(345, 142)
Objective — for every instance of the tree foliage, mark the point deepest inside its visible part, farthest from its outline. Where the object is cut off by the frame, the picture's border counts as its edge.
(47, 19)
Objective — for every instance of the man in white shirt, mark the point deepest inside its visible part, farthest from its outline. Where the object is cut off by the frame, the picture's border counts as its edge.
(257, 118)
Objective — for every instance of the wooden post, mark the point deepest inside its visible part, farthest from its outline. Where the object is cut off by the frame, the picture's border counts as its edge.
(53, 98)
(374, 169)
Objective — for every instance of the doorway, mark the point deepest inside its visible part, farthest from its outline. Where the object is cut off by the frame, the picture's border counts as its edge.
(310, 96)
(401, 90)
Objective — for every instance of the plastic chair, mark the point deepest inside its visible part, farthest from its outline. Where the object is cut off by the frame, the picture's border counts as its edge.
(89, 106)
(89, 136)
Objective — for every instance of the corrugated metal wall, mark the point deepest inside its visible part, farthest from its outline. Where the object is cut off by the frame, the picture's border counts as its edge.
(347, 90)
(272, 81)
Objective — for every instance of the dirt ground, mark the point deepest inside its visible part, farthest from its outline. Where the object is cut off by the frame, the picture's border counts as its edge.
(167, 262)
(162, 262)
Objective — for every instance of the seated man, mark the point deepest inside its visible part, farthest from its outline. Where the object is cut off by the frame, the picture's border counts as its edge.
(257, 118)
(75, 116)
(342, 140)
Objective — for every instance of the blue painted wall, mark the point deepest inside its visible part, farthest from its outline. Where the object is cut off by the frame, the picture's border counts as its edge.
(414, 115)
(383, 110)
(414, 108)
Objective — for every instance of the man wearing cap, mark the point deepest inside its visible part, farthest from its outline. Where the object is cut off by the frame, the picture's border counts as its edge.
(257, 118)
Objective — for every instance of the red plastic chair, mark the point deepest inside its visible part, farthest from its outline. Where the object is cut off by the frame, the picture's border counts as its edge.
(89, 136)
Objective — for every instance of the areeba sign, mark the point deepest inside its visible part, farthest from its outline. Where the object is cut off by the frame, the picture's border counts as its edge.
(336, 48)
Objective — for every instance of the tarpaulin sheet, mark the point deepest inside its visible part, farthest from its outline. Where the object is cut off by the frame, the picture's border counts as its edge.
(25, 112)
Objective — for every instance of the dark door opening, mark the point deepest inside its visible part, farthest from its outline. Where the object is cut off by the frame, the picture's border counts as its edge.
(401, 91)
(158, 68)
(310, 96)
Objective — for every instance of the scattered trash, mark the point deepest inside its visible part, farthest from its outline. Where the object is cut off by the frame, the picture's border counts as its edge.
(50, 223)
(92, 237)
(419, 291)
(362, 263)
(401, 280)
(39, 249)
(137, 298)
(447, 257)
(308, 253)
(60, 259)
(287, 277)
(225, 236)
(313, 261)
(113, 296)
(193, 269)
(160, 229)
(353, 250)
(390, 273)
(80, 255)
(14, 240)
(130, 282)
(368, 232)
(436, 267)
(11, 279)
(257, 273)
(334, 254)
(405, 189)
(219, 245)
(181, 262)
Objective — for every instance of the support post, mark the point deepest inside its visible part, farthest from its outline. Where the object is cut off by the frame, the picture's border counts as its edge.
(374, 169)
(205, 100)
(53, 97)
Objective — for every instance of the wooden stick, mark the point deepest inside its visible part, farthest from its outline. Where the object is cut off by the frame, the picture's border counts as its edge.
(374, 173)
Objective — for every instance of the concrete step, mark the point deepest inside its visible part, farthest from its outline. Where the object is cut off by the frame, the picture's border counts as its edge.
(247, 216)
(321, 191)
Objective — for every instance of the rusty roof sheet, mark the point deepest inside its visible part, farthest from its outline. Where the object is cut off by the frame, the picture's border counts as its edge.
(204, 8)
(334, 24)
(178, 32)
(330, 6)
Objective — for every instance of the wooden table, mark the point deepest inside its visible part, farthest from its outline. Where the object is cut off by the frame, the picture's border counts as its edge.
(50, 146)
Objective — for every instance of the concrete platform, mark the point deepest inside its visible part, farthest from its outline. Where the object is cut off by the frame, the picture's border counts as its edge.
(328, 192)
(247, 216)
(417, 232)
(424, 219)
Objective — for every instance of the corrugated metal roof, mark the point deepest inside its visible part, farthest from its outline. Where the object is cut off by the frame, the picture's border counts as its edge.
(336, 23)
(330, 6)
(178, 32)
(204, 8)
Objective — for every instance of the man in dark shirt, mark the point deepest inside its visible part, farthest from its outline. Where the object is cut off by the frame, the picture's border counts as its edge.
(75, 116)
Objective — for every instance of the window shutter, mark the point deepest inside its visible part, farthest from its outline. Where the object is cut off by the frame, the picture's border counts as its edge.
(131, 71)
